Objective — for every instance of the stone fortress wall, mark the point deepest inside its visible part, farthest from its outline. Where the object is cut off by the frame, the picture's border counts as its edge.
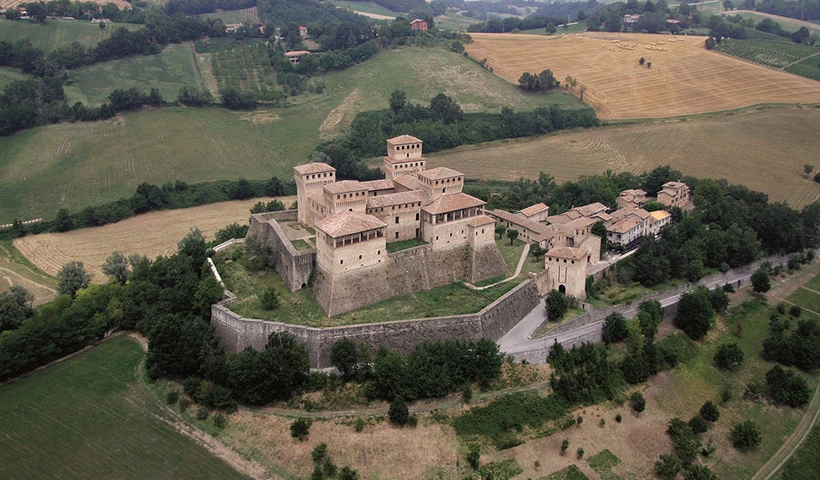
(294, 266)
(236, 333)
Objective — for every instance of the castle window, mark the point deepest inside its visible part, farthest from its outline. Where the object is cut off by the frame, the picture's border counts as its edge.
(338, 197)
(360, 257)
(436, 237)
(417, 217)
(341, 262)
(397, 234)
(397, 220)
(482, 230)
(379, 253)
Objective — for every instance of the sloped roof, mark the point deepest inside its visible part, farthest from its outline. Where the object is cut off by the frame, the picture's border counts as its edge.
(451, 202)
(383, 184)
(393, 199)
(480, 221)
(591, 209)
(348, 223)
(522, 221)
(408, 181)
(534, 209)
(659, 215)
(439, 173)
(622, 213)
(403, 139)
(315, 167)
(564, 217)
(624, 226)
(569, 253)
(345, 186)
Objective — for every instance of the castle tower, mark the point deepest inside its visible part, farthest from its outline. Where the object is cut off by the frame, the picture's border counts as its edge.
(310, 179)
(440, 181)
(566, 271)
(403, 157)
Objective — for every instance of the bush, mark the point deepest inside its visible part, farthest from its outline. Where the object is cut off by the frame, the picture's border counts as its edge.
(191, 386)
(745, 435)
(220, 421)
(637, 402)
(729, 357)
(580, 453)
(319, 453)
(172, 397)
(786, 387)
(358, 425)
(615, 328)
(687, 443)
(709, 411)
(699, 472)
(467, 394)
(347, 473)
(202, 413)
(413, 421)
(184, 403)
(473, 455)
(398, 412)
(557, 305)
(618, 418)
(795, 311)
(668, 467)
(698, 424)
(269, 300)
(329, 468)
(564, 446)
(299, 429)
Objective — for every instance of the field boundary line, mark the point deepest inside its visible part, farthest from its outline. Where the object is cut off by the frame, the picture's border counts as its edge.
(802, 59)
(199, 78)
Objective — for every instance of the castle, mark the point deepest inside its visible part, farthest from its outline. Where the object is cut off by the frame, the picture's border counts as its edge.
(354, 222)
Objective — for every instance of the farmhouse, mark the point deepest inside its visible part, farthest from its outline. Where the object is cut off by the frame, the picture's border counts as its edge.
(632, 198)
(355, 222)
(296, 55)
(303, 31)
(418, 24)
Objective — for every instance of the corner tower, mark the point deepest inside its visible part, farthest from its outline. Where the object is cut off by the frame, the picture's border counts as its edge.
(310, 179)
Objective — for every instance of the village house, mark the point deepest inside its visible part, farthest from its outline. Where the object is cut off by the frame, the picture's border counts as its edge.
(632, 198)
(303, 31)
(418, 24)
(296, 55)
(675, 194)
(536, 213)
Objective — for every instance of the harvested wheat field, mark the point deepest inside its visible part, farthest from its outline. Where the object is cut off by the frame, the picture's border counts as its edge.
(151, 234)
(763, 148)
(684, 78)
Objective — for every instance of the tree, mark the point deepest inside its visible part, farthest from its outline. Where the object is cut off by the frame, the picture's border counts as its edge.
(728, 4)
(709, 411)
(648, 64)
(801, 36)
(398, 412)
(637, 402)
(699, 472)
(193, 246)
(299, 429)
(641, 61)
(760, 281)
(786, 387)
(668, 467)
(116, 267)
(512, 234)
(349, 357)
(63, 220)
(564, 446)
(650, 315)
(807, 168)
(445, 108)
(694, 313)
(473, 455)
(698, 424)
(550, 29)
(729, 356)
(347, 473)
(71, 278)
(746, 435)
(556, 305)
(537, 251)
(269, 300)
(710, 43)
(570, 81)
(500, 228)
(15, 306)
(398, 99)
(615, 329)
(599, 229)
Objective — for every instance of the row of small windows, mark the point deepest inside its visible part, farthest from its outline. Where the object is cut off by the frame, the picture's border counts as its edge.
(558, 260)
(408, 165)
(351, 195)
(408, 147)
(320, 175)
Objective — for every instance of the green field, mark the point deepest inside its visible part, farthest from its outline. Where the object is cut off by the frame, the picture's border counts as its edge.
(771, 53)
(575, 28)
(805, 299)
(235, 16)
(788, 24)
(82, 164)
(169, 71)
(56, 33)
(247, 68)
(365, 7)
(454, 21)
(8, 75)
(809, 67)
(90, 417)
(805, 463)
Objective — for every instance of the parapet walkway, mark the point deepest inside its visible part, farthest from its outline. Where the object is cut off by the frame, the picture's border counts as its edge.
(514, 275)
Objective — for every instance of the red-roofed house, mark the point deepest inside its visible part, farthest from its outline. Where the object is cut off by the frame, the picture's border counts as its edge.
(418, 24)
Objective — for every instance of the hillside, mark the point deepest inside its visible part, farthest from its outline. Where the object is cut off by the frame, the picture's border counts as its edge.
(57, 33)
(684, 77)
(81, 164)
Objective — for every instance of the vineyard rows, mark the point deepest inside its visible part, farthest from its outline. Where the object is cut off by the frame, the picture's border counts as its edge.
(246, 68)
(775, 54)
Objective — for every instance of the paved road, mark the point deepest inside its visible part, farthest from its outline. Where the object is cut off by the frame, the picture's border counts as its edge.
(518, 340)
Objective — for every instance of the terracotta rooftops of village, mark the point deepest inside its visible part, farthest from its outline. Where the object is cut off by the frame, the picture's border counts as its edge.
(403, 139)
(348, 223)
(345, 186)
(439, 173)
(390, 199)
(624, 225)
(633, 192)
(382, 184)
(658, 215)
(452, 202)
(568, 253)
(674, 185)
(410, 182)
(591, 209)
(480, 221)
(315, 167)
(622, 213)
(522, 221)
(534, 209)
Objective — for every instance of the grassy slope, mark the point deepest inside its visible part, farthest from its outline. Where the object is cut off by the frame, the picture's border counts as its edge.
(169, 71)
(89, 417)
(57, 33)
(788, 24)
(699, 380)
(366, 7)
(81, 164)
(234, 16)
(454, 21)
(8, 75)
(806, 460)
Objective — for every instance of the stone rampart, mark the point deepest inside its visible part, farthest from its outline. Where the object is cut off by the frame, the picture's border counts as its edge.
(294, 266)
(236, 333)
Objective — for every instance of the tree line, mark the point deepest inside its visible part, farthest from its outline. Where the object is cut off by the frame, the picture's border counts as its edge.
(148, 198)
(442, 124)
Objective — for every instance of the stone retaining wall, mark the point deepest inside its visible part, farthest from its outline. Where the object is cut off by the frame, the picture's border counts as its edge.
(294, 266)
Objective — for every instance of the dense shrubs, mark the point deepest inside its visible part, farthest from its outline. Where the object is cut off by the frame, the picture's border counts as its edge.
(787, 387)
(729, 356)
(695, 313)
(745, 435)
(800, 348)
(584, 375)
(614, 328)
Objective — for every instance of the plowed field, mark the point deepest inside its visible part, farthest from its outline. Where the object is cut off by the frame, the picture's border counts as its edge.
(684, 78)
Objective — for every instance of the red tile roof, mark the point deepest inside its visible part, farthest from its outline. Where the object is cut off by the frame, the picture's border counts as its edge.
(451, 202)
(439, 173)
(534, 209)
(348, 223)
(315, 167)
(403, 139)
(345, 186)
(569, 253)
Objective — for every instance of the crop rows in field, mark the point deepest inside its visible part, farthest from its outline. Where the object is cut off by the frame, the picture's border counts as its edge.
(775, 54)
(235, 16)
(246, 68)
